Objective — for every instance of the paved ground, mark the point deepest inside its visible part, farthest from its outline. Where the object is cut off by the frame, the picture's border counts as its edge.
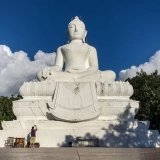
(79, 154)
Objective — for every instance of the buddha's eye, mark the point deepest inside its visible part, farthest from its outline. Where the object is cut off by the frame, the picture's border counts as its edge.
(72, 26)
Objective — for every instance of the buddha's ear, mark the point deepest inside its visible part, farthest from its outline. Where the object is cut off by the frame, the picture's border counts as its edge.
(68, 36)
(67, 33)
(85, 34)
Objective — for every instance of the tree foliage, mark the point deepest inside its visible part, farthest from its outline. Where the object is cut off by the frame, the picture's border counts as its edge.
(6, 112)
(147, 92)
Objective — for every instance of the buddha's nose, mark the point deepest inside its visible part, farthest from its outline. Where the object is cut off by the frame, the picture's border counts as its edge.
(76, 29)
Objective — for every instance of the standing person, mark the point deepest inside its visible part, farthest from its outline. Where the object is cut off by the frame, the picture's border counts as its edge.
(33, 135)
(28, 139)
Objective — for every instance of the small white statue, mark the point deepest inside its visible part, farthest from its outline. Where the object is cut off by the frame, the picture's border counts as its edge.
(81, 62)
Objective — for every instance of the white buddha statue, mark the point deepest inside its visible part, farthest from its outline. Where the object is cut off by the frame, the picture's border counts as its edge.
(80, 59)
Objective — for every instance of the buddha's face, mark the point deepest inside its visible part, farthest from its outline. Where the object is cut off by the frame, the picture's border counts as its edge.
(76, 30)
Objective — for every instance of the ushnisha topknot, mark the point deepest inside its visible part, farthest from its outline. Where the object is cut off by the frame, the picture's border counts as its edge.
(75, 20)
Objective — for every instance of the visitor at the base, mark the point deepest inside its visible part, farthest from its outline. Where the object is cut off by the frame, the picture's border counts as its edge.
(33, 135)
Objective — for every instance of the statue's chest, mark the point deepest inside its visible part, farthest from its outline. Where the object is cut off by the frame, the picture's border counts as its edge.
(76, 51)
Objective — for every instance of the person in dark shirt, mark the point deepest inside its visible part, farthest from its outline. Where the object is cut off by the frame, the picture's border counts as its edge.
(33, 135)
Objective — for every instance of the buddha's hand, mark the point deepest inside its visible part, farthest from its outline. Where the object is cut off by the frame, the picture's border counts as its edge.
(45, 72)
(55, 69)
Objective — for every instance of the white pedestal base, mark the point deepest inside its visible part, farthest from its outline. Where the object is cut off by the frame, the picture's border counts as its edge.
(109, 133)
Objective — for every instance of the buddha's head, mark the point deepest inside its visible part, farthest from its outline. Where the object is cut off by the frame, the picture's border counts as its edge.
(76, 30)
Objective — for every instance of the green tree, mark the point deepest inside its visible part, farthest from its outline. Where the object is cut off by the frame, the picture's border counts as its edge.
(6, 112)
(147, 92)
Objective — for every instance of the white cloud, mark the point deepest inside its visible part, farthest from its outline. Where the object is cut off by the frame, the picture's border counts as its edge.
(15, 68)
(148, 67)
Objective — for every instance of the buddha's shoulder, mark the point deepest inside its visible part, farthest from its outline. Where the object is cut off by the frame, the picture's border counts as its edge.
(91, 47)
(65, 46)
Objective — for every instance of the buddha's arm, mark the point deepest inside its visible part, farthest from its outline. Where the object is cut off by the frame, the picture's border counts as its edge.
(59, 61)
(93, 60)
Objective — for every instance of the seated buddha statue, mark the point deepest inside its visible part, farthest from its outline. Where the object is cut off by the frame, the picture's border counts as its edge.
(78, 57)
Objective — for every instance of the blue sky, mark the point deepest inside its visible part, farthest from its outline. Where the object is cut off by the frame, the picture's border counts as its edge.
(124, 32)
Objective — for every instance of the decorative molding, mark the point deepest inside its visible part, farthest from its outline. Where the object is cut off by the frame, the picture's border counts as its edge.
(39, 90)
(117, 88)
(23, 109)
(118, 109)
(44, 88)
